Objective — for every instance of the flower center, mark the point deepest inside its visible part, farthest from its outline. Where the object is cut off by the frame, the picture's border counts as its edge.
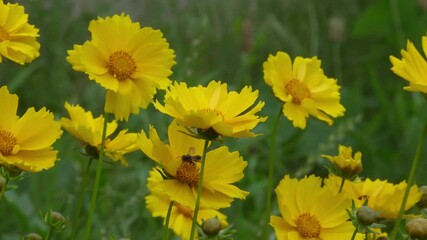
(188, 173)
(121, 65)
(184, 210)
(308, 226)
(297, 90)
(4, 35)
(7, 142)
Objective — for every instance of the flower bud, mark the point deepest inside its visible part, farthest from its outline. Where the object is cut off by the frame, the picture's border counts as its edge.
(336, 29)
(56, 220)
(423, 200)
(32, 236)
(346, 165)
(211, 226)
(366, 216)
(417, 227)
(422, 4)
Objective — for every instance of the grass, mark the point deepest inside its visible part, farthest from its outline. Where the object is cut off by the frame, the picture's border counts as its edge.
(228, 41)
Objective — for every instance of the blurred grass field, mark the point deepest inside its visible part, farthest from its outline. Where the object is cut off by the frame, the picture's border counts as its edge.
(227, 41)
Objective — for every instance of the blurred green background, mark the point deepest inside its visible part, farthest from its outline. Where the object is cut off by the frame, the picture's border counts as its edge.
(225, 40)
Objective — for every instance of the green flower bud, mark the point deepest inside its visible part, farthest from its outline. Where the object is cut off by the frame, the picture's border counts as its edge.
(423, 200)
(56, 220)
(32, 236)
(417, 227)
(366, 216)
(211, 226)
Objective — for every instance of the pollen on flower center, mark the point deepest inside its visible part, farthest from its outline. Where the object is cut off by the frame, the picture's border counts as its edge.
(4, 35)
(297, 90)
(308, 226)
(184, 210)
(121, 65)
(7, 142)
(188, 172)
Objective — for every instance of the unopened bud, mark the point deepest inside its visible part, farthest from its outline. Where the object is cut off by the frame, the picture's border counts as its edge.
(423, 200)
(417, 227)
(336, 29)
(211, 226)
(422, 4)
(32, 236)
(366, 215)
(56, 220)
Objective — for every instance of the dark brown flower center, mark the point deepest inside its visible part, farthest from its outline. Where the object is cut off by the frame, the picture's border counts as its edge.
(7, 142)
(121, 65)
(297, 90)
(308, 226)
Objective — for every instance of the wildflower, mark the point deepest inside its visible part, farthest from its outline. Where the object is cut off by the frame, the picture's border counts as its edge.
(182, 214)
(222, 168)
(26, 142)
(381, 196)
(412, 67)
(307, 212)
(17, 37)
(129, 61)
(213, 109)
(304, 89)
(346, 165)
(83, 126)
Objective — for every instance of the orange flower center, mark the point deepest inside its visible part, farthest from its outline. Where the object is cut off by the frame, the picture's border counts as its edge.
(297, 90)
(308, 226)
(4, 35)
(7, 142)
(184, 210)
(188, 172)
(121, 65)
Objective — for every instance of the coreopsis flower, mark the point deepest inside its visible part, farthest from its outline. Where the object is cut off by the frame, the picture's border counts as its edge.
(304, 89)
(83, 126)
(213, 109)
(307, 212)
(129, 61)
(346, 165)
(412, 67)
(222, 168)
(18, 38)
(182, 214)
(382, 196)
(26, 141)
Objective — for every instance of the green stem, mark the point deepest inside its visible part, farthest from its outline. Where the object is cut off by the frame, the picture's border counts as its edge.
(199, 190)
(342, 185)
(271, 174)
(48, 233)
(166, 231)
(3, 189)
(411, 177)
(97, 179)
(354, 234)
(80, 201)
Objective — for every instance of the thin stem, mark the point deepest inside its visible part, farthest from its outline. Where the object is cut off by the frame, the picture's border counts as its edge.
(199, 190)
(271, 174)
(3, 189)
(97, 179)
(166, 231)
(48, 233)
(411, 177)
(342, 185)
(354, 234)
(80, 201)
(394, 8)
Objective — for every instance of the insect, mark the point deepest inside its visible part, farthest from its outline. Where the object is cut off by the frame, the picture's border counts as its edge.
(189, 157)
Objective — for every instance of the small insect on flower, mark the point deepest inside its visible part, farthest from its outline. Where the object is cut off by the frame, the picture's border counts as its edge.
(189, 157)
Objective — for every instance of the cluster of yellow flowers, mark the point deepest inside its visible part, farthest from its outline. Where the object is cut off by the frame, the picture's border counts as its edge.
(192, 182)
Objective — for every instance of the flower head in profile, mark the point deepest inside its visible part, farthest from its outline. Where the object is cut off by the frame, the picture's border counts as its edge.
(346, 165)
(307, 212)
(182, 214)
(213, 109)
(129, 61)
(17, 37)
(304, 89)
(412, 67)
(26, 142)
(380, 195)
(83, 126)
(222, 168)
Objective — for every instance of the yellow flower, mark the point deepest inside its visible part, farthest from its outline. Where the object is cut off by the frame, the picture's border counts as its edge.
(307, 212)
(412, 67)
(347, 165)
(87, 129)
(381, 195)
(213, 108)
(222, 168)
(129, 61)
(181, 215)
(17, 37)
(25, 142)
(304, 89)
